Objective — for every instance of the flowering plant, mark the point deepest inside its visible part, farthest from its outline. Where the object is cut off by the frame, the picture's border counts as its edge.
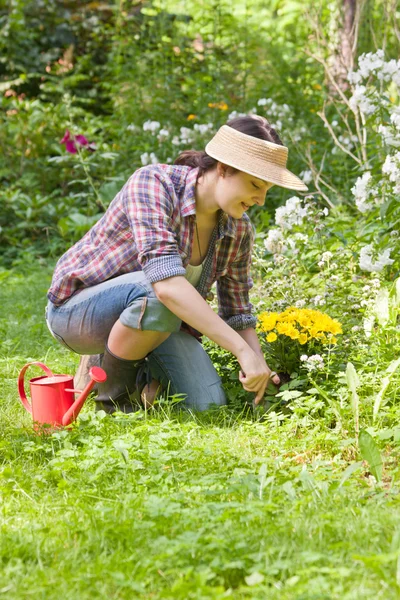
(295, 333)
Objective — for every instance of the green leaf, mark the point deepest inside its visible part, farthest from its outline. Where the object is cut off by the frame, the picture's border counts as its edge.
(381, 308)
(370, 453)
(385, 384)
(353, 382)
(254, 579)
(349, 472)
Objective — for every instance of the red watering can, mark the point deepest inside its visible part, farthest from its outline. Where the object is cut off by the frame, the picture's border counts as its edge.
(53, 396)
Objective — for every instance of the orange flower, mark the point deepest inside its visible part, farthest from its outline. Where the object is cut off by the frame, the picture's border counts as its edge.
(221, 105)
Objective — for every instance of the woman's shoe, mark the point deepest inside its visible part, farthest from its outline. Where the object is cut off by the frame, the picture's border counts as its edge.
(125, 382)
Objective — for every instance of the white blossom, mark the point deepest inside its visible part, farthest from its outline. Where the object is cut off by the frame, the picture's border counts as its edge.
(300, 303)
(306, 176)
(361, 192)
(366, 262)
(318, 301)
(152, 126)
(274, 242)
(148, 159)
(313, 363)
(391, 167)
(291, 214)
(163, 134)
(203, 128)
(301, 237)
(390, 138)
(375, 63)
(359, 100)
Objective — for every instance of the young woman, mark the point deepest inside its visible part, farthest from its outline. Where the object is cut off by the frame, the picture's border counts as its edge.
(135, 287)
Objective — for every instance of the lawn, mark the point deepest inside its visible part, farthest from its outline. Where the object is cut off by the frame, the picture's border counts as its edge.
(167, 504)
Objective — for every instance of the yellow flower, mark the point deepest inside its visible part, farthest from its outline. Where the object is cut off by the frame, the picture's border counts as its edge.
(268, 321)
(284, 328)
(220, 105)
(271, 337)
(303, 337)
(294, 333)
(191, 117)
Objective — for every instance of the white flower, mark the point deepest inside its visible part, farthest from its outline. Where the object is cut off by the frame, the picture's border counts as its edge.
(300, 303)
(390, 138)
(326, 256)
(306, 176)
(318, 301)
(186, 135)
(152, 126)
(335, 123)
(395, 118)
(313, 363)
(163, 134)
(274, 242)
(262, 102)
(147, 159)
(325, 211)
(235, 114)
(301, 237)
(291, 214)
(132, 127)
(202, 128)
(367, 264)
(359, 100)
(391, 167)
(361, 191)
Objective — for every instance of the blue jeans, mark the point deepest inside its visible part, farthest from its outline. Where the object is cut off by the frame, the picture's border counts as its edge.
(182, 366)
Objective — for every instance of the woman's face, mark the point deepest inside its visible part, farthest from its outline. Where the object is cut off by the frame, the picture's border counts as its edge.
(236, 192)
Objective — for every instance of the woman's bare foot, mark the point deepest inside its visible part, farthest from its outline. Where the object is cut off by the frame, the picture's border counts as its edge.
(149, 393)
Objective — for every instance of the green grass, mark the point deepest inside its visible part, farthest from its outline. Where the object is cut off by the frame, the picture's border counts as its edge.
(166, 504)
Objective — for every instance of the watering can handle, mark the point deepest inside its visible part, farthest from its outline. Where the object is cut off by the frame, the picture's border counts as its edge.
(21, 387)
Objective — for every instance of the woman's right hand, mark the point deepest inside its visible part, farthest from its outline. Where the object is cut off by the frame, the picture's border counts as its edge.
(255, 374)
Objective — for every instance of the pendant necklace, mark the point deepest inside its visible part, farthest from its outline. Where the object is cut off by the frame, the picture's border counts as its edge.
(198, 243)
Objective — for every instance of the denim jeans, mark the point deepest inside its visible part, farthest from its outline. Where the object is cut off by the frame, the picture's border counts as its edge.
(182, 366)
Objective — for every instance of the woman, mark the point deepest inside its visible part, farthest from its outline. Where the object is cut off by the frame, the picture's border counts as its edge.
(135, 286)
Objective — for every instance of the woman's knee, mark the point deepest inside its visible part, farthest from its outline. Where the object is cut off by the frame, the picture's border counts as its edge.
(183, 367)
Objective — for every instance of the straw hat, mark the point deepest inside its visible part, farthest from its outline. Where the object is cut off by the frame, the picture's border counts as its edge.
(260, 158)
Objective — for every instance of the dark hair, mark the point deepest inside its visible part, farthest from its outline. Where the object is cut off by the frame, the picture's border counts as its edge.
(253, 125)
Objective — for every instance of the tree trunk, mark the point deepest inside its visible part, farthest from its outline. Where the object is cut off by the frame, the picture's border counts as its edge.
(343, 59)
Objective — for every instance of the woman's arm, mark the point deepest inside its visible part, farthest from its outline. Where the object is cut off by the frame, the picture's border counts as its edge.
(177, 294)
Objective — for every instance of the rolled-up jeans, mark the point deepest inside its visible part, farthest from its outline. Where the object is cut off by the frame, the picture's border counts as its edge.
(181, 365)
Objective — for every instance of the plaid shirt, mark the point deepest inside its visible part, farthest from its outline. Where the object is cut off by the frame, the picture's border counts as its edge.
(150, 226)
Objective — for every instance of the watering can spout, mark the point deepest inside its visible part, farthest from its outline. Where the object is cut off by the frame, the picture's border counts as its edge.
(97, 375)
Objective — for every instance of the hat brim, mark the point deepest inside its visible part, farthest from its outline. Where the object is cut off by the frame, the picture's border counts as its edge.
(261, 169)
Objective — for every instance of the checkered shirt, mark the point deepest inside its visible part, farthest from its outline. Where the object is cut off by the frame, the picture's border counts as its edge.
(150, 226)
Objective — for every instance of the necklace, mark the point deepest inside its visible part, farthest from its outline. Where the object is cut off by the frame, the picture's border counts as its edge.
(198, 243)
